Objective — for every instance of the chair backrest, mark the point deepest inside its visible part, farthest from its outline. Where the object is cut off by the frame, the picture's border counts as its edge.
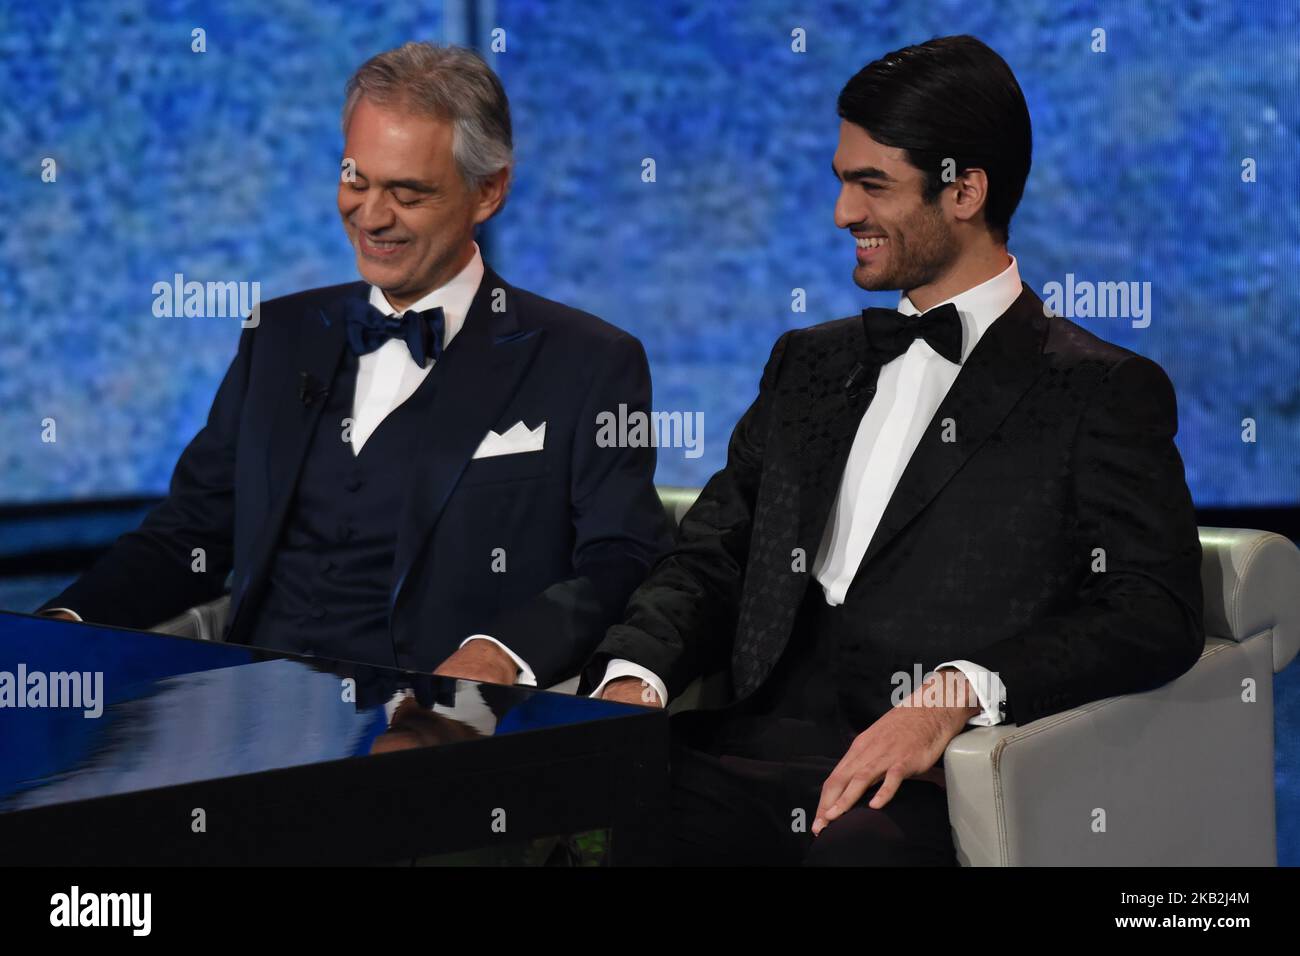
(1252, 584)
(677, 501)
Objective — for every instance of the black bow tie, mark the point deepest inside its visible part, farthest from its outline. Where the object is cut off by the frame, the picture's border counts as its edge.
(368, 329)
(890, 333)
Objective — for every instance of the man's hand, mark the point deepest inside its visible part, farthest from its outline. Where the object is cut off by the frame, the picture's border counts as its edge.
(480, 660)
(906, 742)
(59, 615)
(631, 690)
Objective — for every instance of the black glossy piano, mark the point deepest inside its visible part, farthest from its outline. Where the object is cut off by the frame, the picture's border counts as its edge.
(120, 747)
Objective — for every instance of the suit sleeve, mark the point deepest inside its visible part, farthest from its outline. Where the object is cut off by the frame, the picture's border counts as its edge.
(682, 620)
(620, 529)
(1137, 624)
(147, 575)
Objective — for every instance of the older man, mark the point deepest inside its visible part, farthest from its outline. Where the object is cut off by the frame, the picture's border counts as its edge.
(404, 470)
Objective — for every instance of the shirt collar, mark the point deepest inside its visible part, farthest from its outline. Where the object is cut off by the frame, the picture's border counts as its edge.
(979, 305)
(455, 297)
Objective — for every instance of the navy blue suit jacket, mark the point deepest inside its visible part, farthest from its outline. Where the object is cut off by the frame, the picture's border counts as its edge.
(580, 524)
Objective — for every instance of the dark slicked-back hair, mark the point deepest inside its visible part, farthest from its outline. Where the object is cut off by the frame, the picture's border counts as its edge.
(949, 98)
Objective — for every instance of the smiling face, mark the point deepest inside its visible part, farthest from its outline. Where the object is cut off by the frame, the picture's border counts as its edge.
(903, 242)
(409, 215)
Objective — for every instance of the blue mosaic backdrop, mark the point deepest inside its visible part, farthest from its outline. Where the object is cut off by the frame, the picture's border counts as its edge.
(1137, 177)
(222, 165)
(219, 165)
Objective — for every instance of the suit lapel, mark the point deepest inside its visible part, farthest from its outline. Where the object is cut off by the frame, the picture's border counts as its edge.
(827, 426)
(318, 347)
(1007, 359)
(479, 373)
(818, 421)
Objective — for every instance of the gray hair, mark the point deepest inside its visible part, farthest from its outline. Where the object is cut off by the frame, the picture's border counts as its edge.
(452, 83)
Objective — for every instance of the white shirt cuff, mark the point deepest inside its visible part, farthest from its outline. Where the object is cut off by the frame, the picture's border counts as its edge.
(65, 610)
(618, 667)
(990, 690)
(526, 676)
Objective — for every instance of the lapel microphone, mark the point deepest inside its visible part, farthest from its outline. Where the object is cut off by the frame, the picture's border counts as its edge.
(309, 389)
(857, 382)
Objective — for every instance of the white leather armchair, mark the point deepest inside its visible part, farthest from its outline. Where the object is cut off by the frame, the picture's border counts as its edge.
(1177, 776)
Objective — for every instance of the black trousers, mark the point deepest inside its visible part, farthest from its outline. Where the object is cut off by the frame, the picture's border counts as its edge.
(746, 780)
(745, 793)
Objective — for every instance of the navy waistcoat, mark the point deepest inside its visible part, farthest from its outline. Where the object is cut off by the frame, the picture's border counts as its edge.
(331, 574)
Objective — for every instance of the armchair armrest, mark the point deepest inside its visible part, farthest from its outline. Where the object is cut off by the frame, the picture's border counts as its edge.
(206, 622)
(1178, 776)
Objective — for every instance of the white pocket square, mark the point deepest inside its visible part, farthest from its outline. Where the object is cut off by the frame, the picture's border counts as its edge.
(516, 439)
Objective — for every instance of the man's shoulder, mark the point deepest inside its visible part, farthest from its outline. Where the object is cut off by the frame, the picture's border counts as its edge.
(310, 300)
(1072, 348)
(1071, 341)
(831, 334)
(1067, 346)
(831, 328)
(817, 342)
(564, 323)
(1072, 344)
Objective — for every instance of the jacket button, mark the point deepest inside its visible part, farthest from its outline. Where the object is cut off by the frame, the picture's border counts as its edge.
(318, 612)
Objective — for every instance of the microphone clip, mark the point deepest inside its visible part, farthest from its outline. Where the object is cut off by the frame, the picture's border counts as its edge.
(856, 384)
(309, 389)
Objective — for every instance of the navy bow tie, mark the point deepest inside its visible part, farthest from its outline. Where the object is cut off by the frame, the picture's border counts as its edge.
(890, 333)
(368, 328)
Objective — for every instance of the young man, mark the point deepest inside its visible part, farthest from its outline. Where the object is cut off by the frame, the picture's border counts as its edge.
(966, 486)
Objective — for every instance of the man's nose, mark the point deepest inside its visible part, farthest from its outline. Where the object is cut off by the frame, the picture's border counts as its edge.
(848, 210)
(374, 213)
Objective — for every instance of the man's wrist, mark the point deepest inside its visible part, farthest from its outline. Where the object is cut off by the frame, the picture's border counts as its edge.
(495, 658)
(643, 688)
(949, 693)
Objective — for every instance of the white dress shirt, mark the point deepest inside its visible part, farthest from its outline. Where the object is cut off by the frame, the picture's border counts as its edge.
(908, 393)
(388, 376)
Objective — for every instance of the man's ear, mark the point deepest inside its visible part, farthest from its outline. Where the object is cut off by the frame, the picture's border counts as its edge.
(491, 195)
(966, 197)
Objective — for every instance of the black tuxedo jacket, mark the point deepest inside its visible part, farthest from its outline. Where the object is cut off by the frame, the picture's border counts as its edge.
(987, 551)
(580, 524)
